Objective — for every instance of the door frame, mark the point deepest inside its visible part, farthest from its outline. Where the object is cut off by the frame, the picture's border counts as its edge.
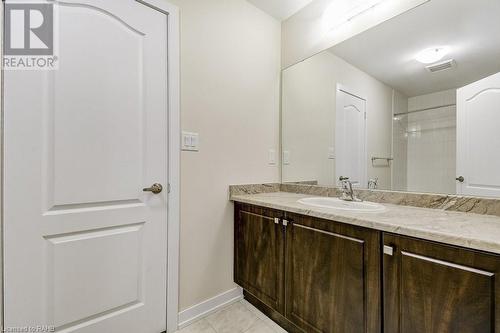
(173, 168)
(340, 88)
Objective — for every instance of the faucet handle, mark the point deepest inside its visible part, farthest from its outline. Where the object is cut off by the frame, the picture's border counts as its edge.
(373, 184)
(342, 178)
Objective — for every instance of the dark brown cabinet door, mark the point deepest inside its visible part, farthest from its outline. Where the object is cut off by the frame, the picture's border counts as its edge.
(332, 276)
(259, 254)
(434, 288)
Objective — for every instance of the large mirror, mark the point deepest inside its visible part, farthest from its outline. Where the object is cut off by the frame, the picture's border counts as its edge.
(412, 104)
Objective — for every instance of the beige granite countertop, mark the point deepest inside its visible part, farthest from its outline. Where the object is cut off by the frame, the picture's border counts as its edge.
(474, 231)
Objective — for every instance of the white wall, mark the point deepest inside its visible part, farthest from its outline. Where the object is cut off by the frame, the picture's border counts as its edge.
(308, 118)
(304, 34)
(230, 80)
(432, 143)
(309, 103)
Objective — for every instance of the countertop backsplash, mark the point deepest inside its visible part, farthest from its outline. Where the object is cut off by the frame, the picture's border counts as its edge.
(456, 203)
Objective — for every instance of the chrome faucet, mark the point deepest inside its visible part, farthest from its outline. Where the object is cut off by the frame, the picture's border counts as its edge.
(347, 191)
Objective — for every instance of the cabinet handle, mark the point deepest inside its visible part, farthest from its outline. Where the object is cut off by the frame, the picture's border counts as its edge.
(276, 220)
(389, 250)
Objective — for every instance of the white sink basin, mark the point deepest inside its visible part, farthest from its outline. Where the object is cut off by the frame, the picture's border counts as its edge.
(339, 204)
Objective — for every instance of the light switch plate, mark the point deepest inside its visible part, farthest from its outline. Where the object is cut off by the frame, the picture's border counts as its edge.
(190, 141)
(272, 157)
(331, 153)
(286, 157)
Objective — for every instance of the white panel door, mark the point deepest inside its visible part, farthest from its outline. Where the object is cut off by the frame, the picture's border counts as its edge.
(350, 138)
(478, 138)
(85, 246)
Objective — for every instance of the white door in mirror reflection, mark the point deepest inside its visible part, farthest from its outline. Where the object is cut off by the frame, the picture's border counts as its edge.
(350, 137)
(478, 138)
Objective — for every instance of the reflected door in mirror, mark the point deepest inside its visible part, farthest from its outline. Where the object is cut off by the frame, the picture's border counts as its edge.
(478, 136)
(350, 137)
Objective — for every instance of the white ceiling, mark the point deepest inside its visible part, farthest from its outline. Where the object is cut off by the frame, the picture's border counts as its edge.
(387, 52)
(280, 9)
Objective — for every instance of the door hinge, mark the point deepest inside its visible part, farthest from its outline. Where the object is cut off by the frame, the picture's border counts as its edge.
(169, 188)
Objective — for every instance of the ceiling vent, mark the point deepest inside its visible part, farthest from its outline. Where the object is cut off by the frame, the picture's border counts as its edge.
(442, 66)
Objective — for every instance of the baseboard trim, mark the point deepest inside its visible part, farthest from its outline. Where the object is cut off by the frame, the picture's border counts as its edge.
(203, 309)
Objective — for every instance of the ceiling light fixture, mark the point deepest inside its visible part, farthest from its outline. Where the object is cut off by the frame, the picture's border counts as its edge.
(432, 55)
(340, 12)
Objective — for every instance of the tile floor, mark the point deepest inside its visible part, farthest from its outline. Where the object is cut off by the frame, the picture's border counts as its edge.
(240, 317)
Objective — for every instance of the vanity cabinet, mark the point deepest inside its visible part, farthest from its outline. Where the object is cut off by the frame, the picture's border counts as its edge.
(319, 276)
(329, 272)
(435, 288)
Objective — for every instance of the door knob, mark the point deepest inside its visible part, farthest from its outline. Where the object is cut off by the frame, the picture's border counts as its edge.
(155, 188)
(460, 179)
